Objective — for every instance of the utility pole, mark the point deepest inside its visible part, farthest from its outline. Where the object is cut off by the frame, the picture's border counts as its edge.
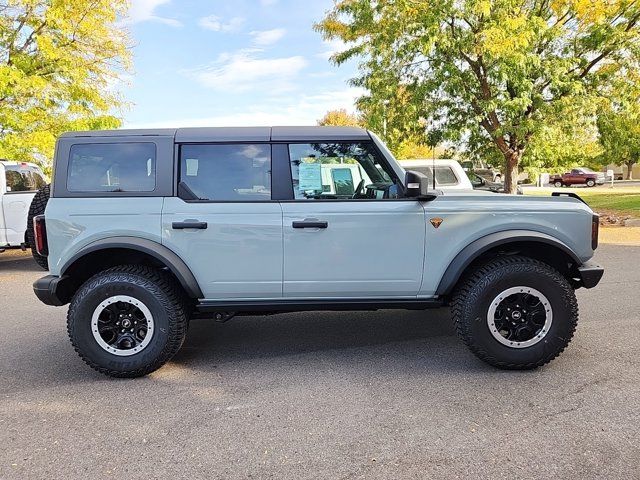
(385, 103)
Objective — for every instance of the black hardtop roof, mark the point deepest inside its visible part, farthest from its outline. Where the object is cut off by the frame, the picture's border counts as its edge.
(235, 134)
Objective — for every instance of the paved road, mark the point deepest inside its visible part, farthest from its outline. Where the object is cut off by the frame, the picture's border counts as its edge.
(324, 395)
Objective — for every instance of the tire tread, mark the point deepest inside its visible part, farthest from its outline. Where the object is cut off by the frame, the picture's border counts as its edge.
(159, 283)
(484, 274)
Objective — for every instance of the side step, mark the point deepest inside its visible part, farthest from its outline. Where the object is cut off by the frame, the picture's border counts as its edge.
(277, 306)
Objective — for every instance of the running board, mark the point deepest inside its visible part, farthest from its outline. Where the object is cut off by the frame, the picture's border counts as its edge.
(210, 306)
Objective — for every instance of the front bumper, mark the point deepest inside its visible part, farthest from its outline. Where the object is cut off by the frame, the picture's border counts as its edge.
(590, 274)
(53, 290)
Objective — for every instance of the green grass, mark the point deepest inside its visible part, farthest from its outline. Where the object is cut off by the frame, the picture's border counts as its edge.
(617, 200)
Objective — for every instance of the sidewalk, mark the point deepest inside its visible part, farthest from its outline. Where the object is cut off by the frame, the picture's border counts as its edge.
(620, 236)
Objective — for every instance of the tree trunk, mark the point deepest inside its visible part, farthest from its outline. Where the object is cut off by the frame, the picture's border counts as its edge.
(512, 159)
(630, 165)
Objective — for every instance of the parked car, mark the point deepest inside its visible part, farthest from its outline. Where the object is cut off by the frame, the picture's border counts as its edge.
(480, 183)
(488, 172)
(578, 176)
(19, 182)
(147, 229)
(449, 173)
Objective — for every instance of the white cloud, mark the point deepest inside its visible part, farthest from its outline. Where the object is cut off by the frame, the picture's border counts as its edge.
(216, 24)
(144, 11)
(262, 38)
(332, 47)
(242, 71)
(298, 110)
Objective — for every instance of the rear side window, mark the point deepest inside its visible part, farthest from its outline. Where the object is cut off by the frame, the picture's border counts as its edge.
(112, 167)
(235, 173)
(23, 179)
(444, 175)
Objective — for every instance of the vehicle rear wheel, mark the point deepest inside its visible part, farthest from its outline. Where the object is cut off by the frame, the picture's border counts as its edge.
(591, 183)
(515, 312)
(38, 205)
(557, 184)
(127, 321)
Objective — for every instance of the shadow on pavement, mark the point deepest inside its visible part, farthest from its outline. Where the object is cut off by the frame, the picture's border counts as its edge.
(18, 261)
(248, 338)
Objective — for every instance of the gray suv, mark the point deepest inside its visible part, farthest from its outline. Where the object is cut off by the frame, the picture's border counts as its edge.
(148, 229)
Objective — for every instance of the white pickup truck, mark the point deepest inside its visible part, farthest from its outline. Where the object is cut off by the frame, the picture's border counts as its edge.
(18, 185)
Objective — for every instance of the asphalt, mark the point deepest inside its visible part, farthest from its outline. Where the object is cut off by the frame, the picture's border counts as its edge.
(368, 395)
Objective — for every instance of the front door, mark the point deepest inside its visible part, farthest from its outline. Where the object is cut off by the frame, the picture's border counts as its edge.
(226, 227)
(359, 242)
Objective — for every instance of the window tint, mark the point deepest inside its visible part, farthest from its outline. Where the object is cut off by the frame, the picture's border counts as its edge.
(23, 179)
(339, 171)
(227, 172)
(444, 175)
(112, 167)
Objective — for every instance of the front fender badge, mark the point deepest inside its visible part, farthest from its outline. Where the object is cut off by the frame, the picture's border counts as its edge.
(436, 221)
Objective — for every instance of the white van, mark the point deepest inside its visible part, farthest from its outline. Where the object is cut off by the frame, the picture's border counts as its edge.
(18, 184)
(449, 173)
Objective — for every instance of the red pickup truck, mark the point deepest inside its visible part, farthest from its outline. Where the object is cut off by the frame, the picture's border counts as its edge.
(577, 176)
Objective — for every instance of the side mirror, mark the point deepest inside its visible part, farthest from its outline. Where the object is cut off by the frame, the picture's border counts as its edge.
(417, 185)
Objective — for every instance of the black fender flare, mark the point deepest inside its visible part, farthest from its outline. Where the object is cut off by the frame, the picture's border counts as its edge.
(476, 248)
(163, 254)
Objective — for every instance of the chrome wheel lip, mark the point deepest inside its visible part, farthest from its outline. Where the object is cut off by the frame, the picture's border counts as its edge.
(118, 351)
(506, 293)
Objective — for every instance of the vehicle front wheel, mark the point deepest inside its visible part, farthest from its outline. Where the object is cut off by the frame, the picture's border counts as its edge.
(557, 184)
(127, 321)
(591, 183)
(515, 312)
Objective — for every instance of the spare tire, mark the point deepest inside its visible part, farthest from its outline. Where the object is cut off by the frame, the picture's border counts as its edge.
(38, 204)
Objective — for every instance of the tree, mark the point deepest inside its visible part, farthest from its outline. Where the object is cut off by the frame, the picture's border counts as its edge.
(619, 129)
(59, 62)
(340, 118)
(500, 69)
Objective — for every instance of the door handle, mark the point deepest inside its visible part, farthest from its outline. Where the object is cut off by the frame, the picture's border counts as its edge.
(189, 224)
(310, 224)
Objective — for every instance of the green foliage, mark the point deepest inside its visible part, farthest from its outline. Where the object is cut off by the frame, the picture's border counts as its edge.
(619, 128)
(59, 61)
(340, 118)
(499, 70)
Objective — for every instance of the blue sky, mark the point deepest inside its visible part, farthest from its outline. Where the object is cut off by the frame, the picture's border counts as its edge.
(240, 62)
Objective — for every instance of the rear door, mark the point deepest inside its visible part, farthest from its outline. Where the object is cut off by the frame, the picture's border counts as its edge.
(224, 224)
(368, 242)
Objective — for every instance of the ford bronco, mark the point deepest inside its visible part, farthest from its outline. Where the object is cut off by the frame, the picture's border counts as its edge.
(148, 229)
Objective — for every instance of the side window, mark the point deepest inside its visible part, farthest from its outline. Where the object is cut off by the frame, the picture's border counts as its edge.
(112, 167)
(444, 175)
(341, 171)
(237, 173)
(38, 180)
(17, 181)
(23, 179)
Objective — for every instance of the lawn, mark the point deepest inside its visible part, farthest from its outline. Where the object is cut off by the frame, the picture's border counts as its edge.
(618, 200)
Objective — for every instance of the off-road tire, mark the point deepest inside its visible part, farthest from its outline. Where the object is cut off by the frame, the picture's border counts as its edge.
(476, 290)
(591, 183)
(38, 205)
(154, 288)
